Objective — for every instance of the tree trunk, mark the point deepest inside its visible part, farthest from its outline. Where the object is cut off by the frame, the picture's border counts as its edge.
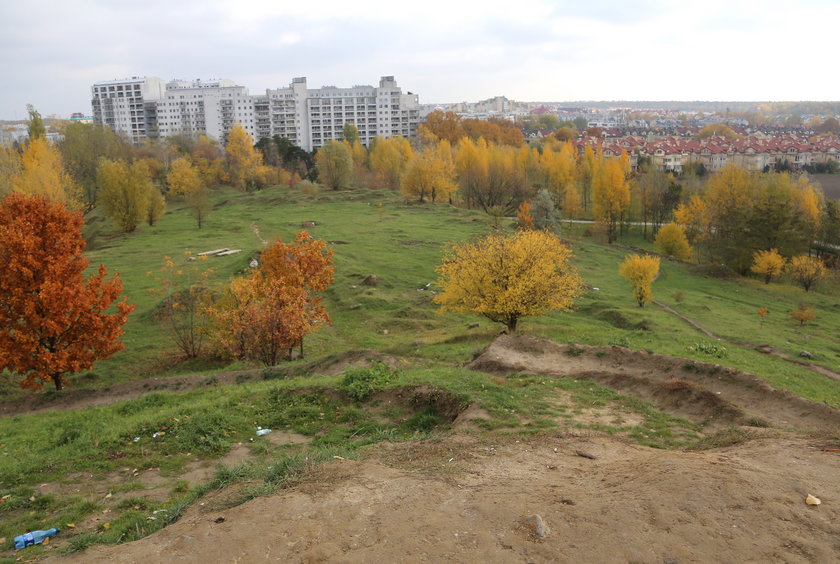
(511, 324)
(57, 380)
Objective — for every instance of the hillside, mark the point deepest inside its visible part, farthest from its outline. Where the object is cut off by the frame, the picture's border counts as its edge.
(684, 429)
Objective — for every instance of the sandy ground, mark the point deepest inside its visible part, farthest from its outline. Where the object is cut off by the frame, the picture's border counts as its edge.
(459, 499)
(466, 496)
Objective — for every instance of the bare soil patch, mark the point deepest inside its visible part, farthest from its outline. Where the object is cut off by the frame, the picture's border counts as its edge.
(462, 499)
(708, 394)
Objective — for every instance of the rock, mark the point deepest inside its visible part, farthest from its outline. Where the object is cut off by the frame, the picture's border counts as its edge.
(371, 280)
(309, 224)
(473, 326)
(418, 342)
(539, 527)
(806, 354)
(812, 500)
(355, 306)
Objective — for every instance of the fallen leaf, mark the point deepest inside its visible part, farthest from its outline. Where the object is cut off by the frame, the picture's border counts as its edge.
(106, 526)
(46, 541)
(70, 525)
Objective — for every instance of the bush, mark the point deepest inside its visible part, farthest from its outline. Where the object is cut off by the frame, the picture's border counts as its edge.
(360, 383)
(711, 349)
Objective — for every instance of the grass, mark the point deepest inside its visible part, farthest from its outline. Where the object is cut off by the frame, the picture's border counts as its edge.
(401, 244)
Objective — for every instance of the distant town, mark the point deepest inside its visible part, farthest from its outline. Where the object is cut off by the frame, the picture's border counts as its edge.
(674, 136)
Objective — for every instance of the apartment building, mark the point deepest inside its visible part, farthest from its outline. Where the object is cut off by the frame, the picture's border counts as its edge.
(211, 108)
(307, 117)
(128, 106)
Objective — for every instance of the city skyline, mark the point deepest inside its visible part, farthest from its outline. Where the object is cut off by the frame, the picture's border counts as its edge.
(444, 52)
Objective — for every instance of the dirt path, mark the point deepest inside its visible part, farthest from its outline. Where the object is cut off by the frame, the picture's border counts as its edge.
(460, 499)
(708, 394)
(766, 349)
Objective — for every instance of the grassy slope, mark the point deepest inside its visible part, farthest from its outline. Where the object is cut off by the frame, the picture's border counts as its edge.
(401, 244)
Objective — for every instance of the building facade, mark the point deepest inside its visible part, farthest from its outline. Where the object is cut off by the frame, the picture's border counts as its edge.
(128, 106)
(307, 117)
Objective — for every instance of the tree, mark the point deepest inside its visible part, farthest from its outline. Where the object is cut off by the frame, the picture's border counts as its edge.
(52, 318)
(334, 164)
(10, 166)
(768, 264)
(82, 146)
(304, 264)
(199, 204)
(671, 240)
(505, 278)
(544, 211)
(42, 173)
(718, 130)
(244, 162)
(350, 133)
(183, 178)
(806, 271)
(390, 157)
(35, 127)
(430, 174)
(181, 312)
(803, 314)
(157, 205)
(125, 191)
(524, 218)
(640, 271)
(610, 197)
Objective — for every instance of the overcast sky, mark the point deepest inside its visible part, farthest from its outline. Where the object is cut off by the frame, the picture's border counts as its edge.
(52, 51)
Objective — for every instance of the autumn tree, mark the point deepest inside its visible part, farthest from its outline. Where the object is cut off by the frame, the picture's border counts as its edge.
(125, 192)
(610, 198)
(10, 166)
(444, 125)
(524, 219)
(350, 133)
(53, 320)
(156, 207)
(717, 130)
(768, 264)
(42, 173)
(389, 158)
(334, 164)
(505, 278)
(306, 265)
(183, 178)
(671, 240)
(803, 314)
(640, 271)
(244, 162)
(430, 174)
(806, 271)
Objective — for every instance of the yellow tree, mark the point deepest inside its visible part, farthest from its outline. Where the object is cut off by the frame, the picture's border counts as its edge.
(183, 178)
(430, 174)
(806, 271)
(640, 271)
(42, 173)
(124, 193)
(729, 201)
(244, 162)
(610, 197)
(156, 207)
(808, 204)
(589, 165)
(472, 167)
(505, 278)
(10, 166)
(769, 264)
(671, 240)
(390, 158)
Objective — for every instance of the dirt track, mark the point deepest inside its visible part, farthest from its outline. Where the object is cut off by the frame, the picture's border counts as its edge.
(466, 496)
(470, 500)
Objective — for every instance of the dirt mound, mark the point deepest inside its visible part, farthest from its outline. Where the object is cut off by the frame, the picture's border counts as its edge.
(469, 501)
(708, 394)
(97, 397)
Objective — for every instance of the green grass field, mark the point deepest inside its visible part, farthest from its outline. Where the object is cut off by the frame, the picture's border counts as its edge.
(371, 232)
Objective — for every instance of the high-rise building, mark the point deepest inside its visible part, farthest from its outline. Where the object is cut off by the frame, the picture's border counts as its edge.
(128, 106)
(307, 117)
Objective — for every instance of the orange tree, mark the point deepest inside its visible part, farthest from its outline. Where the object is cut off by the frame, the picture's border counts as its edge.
(505, 278)
(272, 310)
(53, 320)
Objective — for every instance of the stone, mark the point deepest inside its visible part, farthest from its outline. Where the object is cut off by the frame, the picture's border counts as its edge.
(371, 280)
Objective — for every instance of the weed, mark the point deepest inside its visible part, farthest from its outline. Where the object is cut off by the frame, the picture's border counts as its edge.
(710, 349)
(574, 350)
(360, 383)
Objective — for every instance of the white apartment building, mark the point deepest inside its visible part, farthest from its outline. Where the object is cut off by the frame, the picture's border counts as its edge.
(307, 117)
(128, 106)
(212, 108)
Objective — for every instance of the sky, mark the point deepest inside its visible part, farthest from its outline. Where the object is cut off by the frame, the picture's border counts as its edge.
(52, 51)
